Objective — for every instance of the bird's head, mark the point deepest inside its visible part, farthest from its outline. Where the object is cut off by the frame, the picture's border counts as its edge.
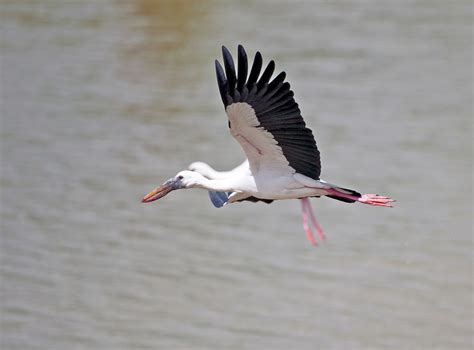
(183, 179)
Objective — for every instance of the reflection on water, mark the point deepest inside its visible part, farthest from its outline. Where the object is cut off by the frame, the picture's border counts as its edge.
(102, 101)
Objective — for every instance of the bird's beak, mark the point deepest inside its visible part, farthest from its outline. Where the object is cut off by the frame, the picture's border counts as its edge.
(160, 191)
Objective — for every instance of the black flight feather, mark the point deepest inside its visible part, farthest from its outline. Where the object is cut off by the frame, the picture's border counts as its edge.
(255, 71)
(229, 70)
(242, 74)
(267, 74)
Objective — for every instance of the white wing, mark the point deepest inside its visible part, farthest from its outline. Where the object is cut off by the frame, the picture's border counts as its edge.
(262, 150)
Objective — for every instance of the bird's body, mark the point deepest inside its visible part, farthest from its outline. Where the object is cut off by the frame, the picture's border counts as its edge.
(282, 157)
(282, 186)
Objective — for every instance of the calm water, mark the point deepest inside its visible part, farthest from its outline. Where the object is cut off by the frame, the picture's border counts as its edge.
(101, 101)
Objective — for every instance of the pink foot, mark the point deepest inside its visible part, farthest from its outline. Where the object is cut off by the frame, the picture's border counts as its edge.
(375, 199)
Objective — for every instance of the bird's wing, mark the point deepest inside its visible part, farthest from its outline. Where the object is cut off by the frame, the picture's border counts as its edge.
(264, 117)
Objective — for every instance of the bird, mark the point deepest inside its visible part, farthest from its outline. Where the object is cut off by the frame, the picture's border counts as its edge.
(282, 158)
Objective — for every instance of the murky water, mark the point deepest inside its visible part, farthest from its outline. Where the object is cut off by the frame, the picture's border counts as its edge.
(101, 101)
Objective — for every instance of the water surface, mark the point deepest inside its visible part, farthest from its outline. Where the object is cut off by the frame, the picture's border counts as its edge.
(101, 101)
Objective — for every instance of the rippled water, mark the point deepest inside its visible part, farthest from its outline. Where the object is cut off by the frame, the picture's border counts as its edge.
(101, 101)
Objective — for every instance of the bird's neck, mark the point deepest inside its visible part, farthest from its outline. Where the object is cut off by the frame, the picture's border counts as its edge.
(219, 185)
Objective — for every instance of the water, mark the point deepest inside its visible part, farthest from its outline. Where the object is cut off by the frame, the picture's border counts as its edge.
(103, 101)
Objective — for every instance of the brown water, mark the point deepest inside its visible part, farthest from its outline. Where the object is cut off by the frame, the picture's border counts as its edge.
(101, 101)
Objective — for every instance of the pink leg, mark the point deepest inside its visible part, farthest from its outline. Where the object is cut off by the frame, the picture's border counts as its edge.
(318, 228)
(307, 229)
(370, 199)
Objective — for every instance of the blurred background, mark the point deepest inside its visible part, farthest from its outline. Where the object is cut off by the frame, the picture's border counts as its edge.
(102, 101)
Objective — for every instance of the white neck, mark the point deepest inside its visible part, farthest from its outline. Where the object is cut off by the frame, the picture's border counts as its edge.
(219, 185)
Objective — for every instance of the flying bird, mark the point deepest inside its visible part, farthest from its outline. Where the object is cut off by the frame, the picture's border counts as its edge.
(283, 160)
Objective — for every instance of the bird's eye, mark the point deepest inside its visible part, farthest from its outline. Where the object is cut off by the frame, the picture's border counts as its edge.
(180, 177)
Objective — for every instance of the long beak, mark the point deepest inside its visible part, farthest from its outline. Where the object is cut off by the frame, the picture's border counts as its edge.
(159, 192)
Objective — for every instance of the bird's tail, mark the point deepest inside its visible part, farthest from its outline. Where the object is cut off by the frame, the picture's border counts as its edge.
(340, 194)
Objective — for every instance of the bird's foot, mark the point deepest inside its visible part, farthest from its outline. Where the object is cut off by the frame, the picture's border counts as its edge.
(375, 199)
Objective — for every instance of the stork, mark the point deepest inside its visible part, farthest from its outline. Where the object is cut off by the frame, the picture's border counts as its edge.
(283, 160)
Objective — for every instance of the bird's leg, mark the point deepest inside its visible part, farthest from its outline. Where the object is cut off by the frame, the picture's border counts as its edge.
(307, 229)
(318, 228)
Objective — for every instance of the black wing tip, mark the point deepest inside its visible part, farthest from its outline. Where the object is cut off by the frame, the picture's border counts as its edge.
(238, 47)
(229, 68)
(221, 81)
(280, 78)
(232, 80)
(226, 54)
(258, 58)
(225, 50)
(266, 75)
(242, 68)
(241, 53)
(219, 70)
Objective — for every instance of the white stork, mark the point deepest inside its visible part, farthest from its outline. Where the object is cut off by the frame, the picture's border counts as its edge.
(282, 158)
